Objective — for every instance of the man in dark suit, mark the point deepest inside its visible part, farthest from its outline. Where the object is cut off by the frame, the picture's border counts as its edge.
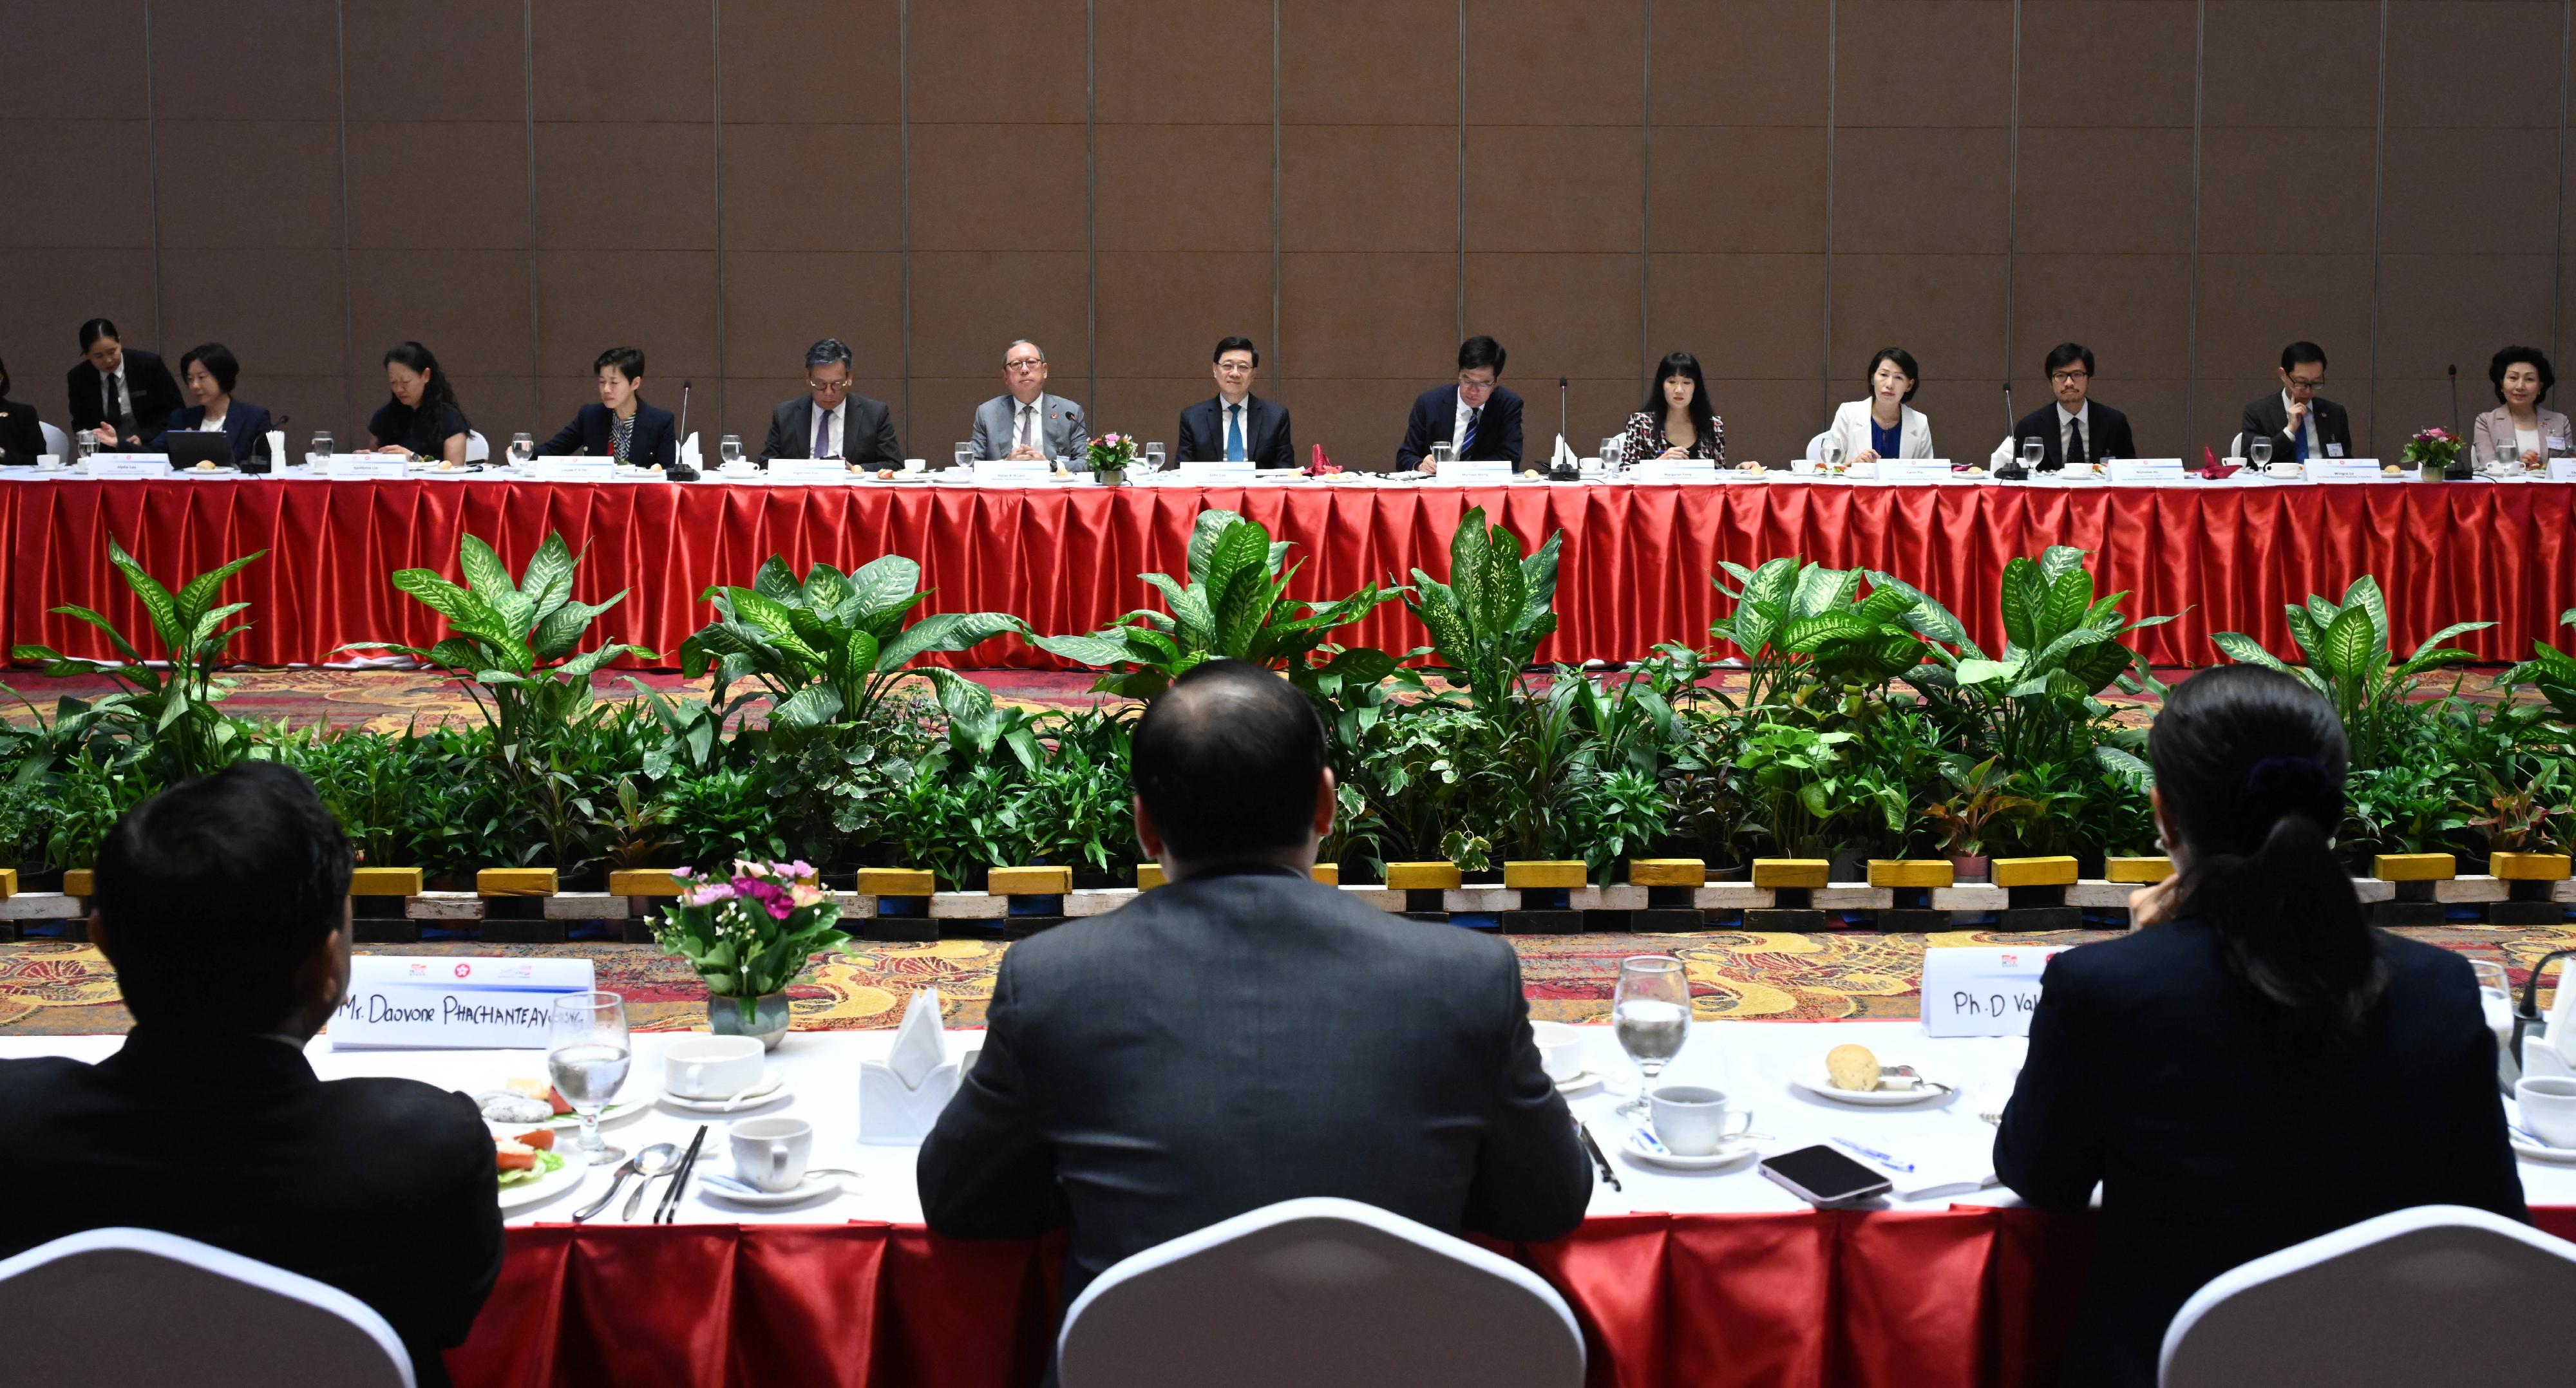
(122, 396)
(1236, 424)
(1477, 416)
(2077, 429)
(223, 905)
(1245, 1035)
(831, 422)
(652, 440)
(2299, 424)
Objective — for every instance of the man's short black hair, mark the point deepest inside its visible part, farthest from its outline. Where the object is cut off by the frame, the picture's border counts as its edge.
(1480, 351)
(629, 362)
(1236, 344)
(95, 329)
(1227, 760)
(831, 351)
(219, 363)
(2066, 354)
(215, 891)
(2298, 353)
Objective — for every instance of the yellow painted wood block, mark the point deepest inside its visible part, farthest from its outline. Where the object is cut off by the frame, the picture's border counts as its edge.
(1330, 874)
(515, 882)
(79, 882)
(1790, 872)
(1029, 881)
(1667, 872)
(381, 881)
(2035, 872)
(1539, 875)
(2414, 867)
(2529, 867)
(1423, 877)
(1148, 876)
(643, 882)
(2139, 870)
(1911, 872)
(897, 882)
(8, 883)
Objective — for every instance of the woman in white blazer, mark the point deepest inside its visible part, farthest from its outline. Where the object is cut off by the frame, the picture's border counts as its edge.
(2522, 380)
(1867, 427)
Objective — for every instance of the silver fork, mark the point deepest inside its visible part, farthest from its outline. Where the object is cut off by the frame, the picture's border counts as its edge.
(1907, 1072)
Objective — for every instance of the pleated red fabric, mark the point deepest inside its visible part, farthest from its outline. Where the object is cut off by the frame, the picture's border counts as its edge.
(1636, 569)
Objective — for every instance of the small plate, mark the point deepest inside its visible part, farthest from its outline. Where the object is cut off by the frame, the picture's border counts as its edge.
(1579, 1080)
(545, 1187)
(2532, 1151)
(638, 1096)
(812, 1187)
(772, 1088)
(1726, 1155)
(1823, 1088)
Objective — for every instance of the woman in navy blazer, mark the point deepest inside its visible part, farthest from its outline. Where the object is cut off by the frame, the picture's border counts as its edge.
(621, 425)
(2254, 1065)
(209, 373)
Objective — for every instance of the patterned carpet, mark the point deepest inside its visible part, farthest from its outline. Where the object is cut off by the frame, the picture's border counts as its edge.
(65, 989)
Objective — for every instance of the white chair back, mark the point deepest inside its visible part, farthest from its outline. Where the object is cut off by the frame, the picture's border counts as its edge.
(119, 1306)
(477, 450)
(1318, 1291)
(1816, 448)
(2435, 1294)
(57, 442)
(2235, 445)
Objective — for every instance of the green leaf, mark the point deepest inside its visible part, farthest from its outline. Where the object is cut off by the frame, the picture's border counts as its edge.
(2057, 561)
(2070, 596)
(886, 582)
(157, 602)
(2445, 634)
(2364, 593)
(1099, 651)
(1470, 564)
(484, 571)
(776, 622)
(563, 628)
(201, 590)
(1238, 584)
(947, 631)
(1821, 590)
(115, 638)
(775, 580)
(1203, 537)
(2350, 649)
(547, 581)
(810, 707)
(1538, 577)
(2025, 597)
(2245, 650)
(825, 588)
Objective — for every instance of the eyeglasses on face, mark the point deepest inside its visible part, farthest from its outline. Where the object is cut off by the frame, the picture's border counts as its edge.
(1024, 364)
(842, 384)
(2067, 377)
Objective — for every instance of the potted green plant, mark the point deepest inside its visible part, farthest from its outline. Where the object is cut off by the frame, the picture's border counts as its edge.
(1111, 456)
(749, 936)
(1977, 801)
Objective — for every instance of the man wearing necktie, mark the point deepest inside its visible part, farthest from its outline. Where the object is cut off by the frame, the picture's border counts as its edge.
(1478, 417)
(119, 394)
(1027, 424)
(1236, 425)
(830, 421)
(2300, 424)
(2077, 429)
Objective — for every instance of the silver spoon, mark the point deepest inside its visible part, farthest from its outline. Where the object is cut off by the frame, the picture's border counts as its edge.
(615, 1179)
(656, 1160)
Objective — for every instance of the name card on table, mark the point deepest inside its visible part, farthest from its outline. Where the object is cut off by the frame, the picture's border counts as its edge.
(361, 467)
(1014, 472)
(2145, 472)
(1215, 470)
(1476, 470)
(561, 469)
(1913, 472)
(1979, 991)
(2349, 470)
(1675, 470)
(450, 1002)
(129, 465)
(808, 470)
(2562, 469)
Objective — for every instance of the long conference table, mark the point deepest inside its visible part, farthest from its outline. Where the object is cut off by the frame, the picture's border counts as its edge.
(1679, 1280)
(1636, 566)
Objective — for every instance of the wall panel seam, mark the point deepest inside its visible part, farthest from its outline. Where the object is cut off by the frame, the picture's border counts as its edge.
(152, 173)
(2012, 209)
(1825, 375)
(903, 193)
(348, 290)
(536, 328)
(2558, 238)
(715, 63)
(2378, 191)
(2191, 290)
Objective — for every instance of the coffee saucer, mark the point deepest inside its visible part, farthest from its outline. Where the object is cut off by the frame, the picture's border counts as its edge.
(1732, 1151)
(772, 1087)
(2532, 1151)
(1580, 1079)
(808, 1189)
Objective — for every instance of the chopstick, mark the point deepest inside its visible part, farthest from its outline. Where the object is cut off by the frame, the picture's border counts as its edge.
(1594, 1148)
(679, 1178)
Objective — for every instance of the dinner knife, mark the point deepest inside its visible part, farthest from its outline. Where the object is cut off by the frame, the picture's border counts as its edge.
(1599, 1160)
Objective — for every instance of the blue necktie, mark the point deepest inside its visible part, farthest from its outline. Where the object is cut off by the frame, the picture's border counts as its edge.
(823, 433)
(1467, 440)
(2299, 441)
(1234, 433)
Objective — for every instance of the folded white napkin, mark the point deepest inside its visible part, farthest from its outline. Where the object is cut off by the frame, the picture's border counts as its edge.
(1564, 455)
(689, 452)
(919, 1046)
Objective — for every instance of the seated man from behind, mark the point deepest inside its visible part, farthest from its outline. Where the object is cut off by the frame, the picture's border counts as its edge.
(1246, 1035)
(223, 905)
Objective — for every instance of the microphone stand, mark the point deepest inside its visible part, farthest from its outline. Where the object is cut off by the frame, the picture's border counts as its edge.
(1553, 471)
(679, 471)
(2012, 470)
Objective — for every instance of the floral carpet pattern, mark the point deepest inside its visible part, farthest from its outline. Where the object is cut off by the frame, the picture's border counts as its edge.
(53, 988)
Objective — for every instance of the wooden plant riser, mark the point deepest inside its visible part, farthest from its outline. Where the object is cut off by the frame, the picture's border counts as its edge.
(1542, 922)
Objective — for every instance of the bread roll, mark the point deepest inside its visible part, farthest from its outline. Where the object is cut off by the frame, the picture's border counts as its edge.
(1852, 1067)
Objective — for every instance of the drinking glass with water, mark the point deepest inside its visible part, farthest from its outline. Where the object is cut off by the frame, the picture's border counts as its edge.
(1650, 1015)
(2260, 450)
(1153, 457)
(588, 1052)
(730, 450)
(2033, 453)
(523, 449)
(322, 448)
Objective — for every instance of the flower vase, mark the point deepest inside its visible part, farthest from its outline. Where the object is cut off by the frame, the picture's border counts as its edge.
(770, 1019)
(1971, 867)
(1110, 476)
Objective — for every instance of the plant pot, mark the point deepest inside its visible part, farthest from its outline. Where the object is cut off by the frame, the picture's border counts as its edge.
(770, 1019)
(1971, 867)
(1109, 476)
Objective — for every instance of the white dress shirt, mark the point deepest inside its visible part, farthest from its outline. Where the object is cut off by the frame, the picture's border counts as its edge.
(2066, 432)
(1458, 427)
(2315, 450)
(839, 416)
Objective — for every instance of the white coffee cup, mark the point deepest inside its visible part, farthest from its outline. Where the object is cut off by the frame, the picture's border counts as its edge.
(712, 1067)
(1560, 1049)
(2549, 1108)
(916, 464)
(1691, 1120)
(771, 1153)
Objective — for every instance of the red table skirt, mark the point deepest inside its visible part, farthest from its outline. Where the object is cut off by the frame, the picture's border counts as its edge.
(1908, 1300)
(1636, 567)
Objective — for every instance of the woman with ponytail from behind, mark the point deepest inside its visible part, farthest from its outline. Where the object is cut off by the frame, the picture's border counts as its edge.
(2255, 1065)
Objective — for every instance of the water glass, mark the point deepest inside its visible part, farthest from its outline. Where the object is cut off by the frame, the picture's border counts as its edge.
(965, 453)
(1441, 453)
(322, 447)
(1611, 448)
(1650, 1015)
(730, 449)
(1153, 457)
(86, 444)
(588, 1052)
(2495, 997)
(2033, 453)
(2260, 450)
(1831, 454)
(523, 449)
(2508, 456)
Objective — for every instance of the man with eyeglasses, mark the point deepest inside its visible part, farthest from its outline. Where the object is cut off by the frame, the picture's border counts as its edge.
(2299, 424)
(1236, 425)
(1477, 417)
(1027, 424)
(2076, 430)
(830, 422)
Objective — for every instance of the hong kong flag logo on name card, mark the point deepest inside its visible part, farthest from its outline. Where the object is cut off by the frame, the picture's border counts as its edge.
(464, 971)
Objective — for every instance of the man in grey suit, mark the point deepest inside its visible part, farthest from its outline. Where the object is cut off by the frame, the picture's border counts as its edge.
(1245, 1035)
(831, 422)
(1027, 424)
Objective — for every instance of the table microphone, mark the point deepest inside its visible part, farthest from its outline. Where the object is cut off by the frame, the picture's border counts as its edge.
(2455, 401)
(1552, 468)
(2012, 470)
(680, 471)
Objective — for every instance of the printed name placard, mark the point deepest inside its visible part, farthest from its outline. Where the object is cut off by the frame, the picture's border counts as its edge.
(1980, 991)
(2349, 470)
(129, 465)
(1913, 471)
(1014, 472)
(1214, 470)
(2562, 469)
(572, 469)
(398, 1002)
(1476, 470)
(2145, 472)
(359, 467)
(1675, 470)
(808, 470)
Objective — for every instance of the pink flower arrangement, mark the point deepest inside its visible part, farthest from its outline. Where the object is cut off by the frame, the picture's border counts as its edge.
(749, 933)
